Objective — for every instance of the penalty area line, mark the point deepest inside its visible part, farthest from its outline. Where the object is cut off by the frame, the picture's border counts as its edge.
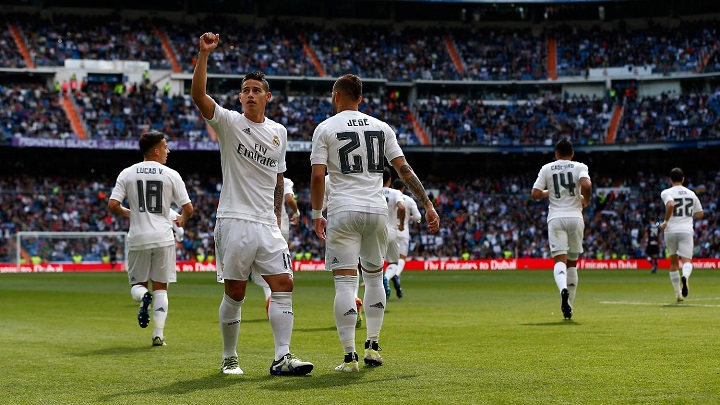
(684, 304)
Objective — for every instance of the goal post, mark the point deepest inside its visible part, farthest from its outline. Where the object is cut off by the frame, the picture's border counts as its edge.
(71, 251)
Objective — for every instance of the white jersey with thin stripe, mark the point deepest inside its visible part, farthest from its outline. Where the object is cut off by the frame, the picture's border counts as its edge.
(287, 189)
(251, 156)
(412, 213)
(150, 188)
(562, 179)
(352, 145)
(393, 197)
(686, 204)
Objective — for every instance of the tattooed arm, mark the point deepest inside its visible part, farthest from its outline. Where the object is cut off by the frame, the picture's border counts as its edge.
(279, 190)
(413, 183)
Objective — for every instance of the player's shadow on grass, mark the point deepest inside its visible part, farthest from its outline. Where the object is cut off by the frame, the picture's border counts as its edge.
(271, 383)
(209, 382)
(326, 329)
(554, 323)
(114, 351)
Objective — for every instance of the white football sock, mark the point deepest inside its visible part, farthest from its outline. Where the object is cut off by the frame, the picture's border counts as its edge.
(400, 267)
(229, 315)
(160, 311)
(560, 272)
(137, 291)
(374, 303)
(346, 310)
(281, 320)
(357, 287)
(267, 292)
(687, 269)
(675, 280)
(390, 271)
(572, 282)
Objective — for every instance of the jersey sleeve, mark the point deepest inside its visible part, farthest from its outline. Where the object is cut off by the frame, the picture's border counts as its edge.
(220, 120)
(392, 148)
(282, 165)
(288, 187)
(319, 154)
(119, 192)
(584, 171)
(180, 194)
(666, 197)
(697, 207)
(540, 182)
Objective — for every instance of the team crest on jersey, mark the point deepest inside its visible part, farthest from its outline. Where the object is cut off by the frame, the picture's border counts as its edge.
(276, 141)
(246, 130)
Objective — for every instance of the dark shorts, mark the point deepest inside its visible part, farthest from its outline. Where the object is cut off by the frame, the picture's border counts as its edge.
(652, 250)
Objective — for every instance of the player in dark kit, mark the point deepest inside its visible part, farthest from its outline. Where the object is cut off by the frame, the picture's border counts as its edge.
(652, 249)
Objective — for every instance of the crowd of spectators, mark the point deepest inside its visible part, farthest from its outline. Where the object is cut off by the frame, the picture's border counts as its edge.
(482, 217)
(50, 41)
(371, 51)
(501, 54)
(682, 117)
(543, 121)
(665, 49)
(273, 48)
(32, 110)
(117, 112)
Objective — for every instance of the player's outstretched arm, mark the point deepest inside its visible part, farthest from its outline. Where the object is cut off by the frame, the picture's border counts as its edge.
(206, 105)
(413, 183)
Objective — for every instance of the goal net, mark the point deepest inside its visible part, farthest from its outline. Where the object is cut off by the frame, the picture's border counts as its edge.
(70, 251)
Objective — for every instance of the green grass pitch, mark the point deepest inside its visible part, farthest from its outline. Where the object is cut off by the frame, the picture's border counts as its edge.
(455, 338)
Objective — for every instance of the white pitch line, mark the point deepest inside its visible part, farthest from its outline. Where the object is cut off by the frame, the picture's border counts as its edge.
(659, 304)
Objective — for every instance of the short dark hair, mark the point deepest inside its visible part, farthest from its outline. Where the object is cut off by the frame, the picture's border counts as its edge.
(398, 184)
(350, 86)
(564, 148)
(387, 174)
(676, 175)
(259, 76)
(149, 140)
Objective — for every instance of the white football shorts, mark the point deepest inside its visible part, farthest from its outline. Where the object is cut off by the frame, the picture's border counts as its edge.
(680, 244)
(352, 235)
(243, 247)
(566, 236)
(156, 264)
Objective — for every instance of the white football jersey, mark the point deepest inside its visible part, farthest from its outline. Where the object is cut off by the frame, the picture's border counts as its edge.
(562, 179)
(287, 189)
(393, 197)
(412, 213)
(251, 156)
(686, 204)
(150, 188)
(352, 145)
